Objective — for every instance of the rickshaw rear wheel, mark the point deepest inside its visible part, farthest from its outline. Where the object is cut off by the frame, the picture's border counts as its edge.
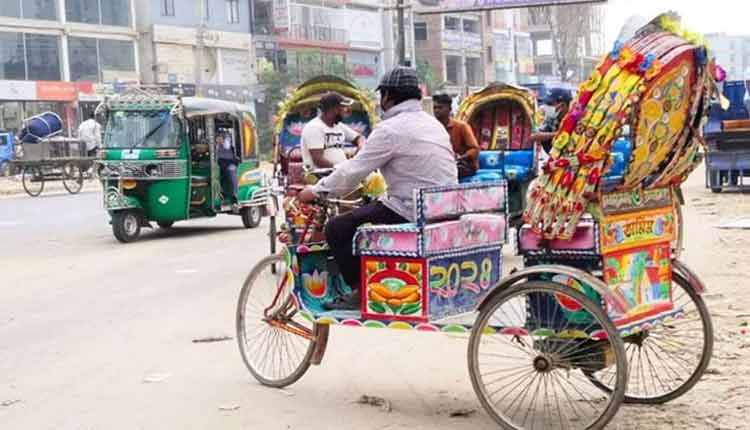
(33, 181)
(126, 225)
(251, 216)
(273, 354)
(527, 358)
(668, 360)
(72, 178)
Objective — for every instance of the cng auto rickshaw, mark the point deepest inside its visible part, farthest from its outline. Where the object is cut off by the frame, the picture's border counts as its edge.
(159, 162)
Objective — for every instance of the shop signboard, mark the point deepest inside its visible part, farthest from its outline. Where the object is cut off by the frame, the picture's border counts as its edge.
(443, 6)
(17, 90)
(56, 91)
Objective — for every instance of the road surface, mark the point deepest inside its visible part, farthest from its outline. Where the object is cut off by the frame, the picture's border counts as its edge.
(86, 321)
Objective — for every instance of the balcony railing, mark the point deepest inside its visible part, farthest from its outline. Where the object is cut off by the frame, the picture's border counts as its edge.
(316, 33)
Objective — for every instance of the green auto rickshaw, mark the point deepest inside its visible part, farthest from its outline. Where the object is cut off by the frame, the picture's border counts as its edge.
(160, 162)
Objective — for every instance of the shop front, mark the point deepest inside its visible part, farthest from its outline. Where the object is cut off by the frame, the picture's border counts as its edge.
(23, 99)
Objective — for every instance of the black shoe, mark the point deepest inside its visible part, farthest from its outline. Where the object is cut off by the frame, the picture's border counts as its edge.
(349, 302)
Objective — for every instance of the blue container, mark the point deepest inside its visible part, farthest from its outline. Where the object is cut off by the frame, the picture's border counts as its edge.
(47, 124)
(735, 92)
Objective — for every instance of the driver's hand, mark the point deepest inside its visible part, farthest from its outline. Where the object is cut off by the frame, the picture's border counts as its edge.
(306, 195)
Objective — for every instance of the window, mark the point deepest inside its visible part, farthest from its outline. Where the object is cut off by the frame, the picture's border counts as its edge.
(233, 11)
(97, 59)
(31, 9)
(452, 68)
(29, 57)
(10, 8)
(12, 58)
(474, 71)
(39, 9)
(452, 23)
(471, 26)
(167, 7)
(102, 12)
(42, 57)
(116, 12)
(83, 58)
(420, 31)
(544, 47)
(85, 11)
(117, 55)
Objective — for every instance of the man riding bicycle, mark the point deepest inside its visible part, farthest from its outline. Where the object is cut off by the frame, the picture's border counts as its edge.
(410, 148)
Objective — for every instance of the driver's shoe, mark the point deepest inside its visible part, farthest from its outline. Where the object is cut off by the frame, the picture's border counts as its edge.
(348, 302)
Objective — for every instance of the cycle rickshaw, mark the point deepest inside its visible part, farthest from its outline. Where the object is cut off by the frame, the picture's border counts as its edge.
(300, 107)
(600, 314)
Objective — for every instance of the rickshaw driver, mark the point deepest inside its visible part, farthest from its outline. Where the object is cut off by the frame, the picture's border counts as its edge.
(412, 150)
(227, 158)
(559, 100)
(323, 138)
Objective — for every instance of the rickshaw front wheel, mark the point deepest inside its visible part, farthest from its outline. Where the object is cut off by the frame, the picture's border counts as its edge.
(277, 343)
(126, 225)
(529, 352)
(251, 216)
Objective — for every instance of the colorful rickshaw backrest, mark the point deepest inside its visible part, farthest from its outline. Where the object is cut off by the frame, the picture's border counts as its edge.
(658, 84)
(502, 117)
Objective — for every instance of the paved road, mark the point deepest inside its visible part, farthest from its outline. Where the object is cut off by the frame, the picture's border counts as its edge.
(84, 319)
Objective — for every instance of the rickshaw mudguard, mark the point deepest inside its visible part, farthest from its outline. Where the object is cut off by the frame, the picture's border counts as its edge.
(550, 269)
(321, 342)
(693, 281)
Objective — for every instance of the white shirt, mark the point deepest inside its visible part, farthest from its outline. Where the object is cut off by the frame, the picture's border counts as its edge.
(90, 132)
(317, 135)
(412, 150)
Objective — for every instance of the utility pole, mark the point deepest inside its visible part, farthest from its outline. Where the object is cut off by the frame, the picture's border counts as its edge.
(200, 36)
(401, 33)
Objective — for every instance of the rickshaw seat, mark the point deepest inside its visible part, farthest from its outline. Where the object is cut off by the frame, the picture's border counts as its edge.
(449, 219)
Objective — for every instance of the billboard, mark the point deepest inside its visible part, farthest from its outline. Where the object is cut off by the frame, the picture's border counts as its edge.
(442, 6)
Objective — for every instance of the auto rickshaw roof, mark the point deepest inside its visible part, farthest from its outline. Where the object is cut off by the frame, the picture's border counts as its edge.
(201, 106)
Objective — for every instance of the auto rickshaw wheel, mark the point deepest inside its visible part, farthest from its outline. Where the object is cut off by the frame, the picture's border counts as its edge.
(33, 180)
(251, 216)
(165, 224)
(529, 352)
(277, 343)
(126, 225)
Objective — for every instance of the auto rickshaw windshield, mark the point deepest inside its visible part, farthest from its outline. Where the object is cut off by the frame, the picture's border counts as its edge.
(156, 129)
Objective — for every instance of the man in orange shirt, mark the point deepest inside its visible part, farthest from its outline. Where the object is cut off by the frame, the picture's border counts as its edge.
(464, 143)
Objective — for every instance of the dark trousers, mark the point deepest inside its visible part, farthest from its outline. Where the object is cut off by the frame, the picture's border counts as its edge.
(229, 177)
(340, 232)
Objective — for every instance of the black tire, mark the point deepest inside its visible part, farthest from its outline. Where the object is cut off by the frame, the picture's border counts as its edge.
(252, 216)
(126, 225)
(266, 345)
(30, 177)
(72, 178)
(669, 376)
(165, 224)
(272, 234)
(548, 355)
(716, 190)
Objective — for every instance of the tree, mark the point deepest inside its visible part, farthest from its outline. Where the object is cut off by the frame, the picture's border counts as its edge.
(426, 75)
(275, 85)
(569, 27)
